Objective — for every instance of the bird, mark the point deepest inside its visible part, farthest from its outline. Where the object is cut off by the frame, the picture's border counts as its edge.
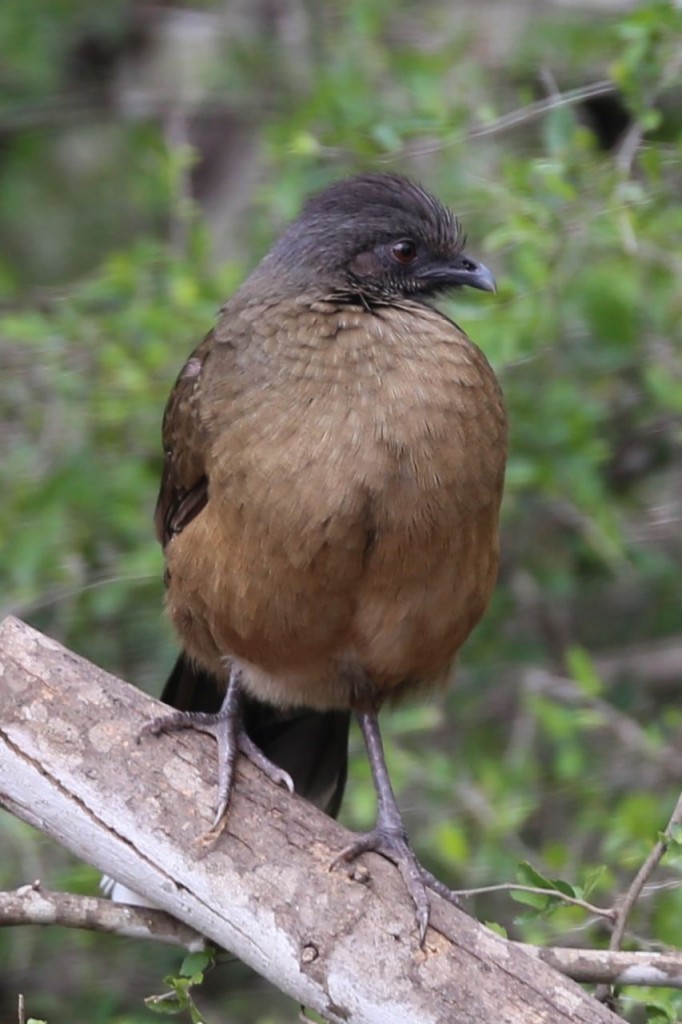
(334, 459)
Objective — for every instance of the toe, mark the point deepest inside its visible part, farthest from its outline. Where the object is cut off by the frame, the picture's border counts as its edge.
(257, 757)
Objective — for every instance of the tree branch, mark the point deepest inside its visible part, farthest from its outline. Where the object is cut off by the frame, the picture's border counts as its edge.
(343, 944)
(610, 967)
(655, 857)
(31, 904)
(556, 894)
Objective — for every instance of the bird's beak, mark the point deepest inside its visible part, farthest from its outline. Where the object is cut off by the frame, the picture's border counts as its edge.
(469, 272)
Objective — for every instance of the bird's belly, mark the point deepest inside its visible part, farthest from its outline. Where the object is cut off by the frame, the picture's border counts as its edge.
(421, 599)
(258, 596)
(333, 606)
(406, 621)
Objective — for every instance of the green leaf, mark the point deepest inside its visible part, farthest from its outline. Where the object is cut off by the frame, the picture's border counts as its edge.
(530, 899)
(582, 670)
(592, 880)
(674, 835)
(659, 1013)
(528, 875)
(195, 965)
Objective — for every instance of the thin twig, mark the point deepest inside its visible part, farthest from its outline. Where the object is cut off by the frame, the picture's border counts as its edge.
(176, 132)
(540, 107)
(607, 912)
(32, 905)
(66, 593)
(527, 113)
(628, 146)
(625, 905)
(630, 142)
(627, 902)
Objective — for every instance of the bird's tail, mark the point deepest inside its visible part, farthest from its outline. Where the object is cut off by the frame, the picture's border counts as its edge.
(312, 746)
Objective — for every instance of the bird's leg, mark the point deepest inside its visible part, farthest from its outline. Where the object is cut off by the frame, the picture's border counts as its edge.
(388, 836)
(227, 727)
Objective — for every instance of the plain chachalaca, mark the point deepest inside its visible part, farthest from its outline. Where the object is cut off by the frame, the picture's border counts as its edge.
(334, 462)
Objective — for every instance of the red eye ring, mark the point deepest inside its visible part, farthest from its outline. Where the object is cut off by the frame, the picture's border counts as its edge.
(404, 251)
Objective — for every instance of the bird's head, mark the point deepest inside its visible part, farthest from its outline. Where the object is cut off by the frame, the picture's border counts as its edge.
(378, 236)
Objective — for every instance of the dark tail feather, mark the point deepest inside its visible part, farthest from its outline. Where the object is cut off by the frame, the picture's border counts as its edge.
(312, 746)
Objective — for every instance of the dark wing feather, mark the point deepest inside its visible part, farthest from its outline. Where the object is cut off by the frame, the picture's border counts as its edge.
(184, 484)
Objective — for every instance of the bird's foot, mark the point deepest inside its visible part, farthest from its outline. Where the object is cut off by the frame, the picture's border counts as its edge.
(227, 729)
(230, 743)
(433, 883)
(257, 757)
(389, 837)
(393, 845)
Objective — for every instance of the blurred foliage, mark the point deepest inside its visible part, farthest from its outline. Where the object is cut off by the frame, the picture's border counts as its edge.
(539, 764)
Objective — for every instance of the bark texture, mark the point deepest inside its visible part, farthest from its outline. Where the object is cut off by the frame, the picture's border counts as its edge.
(343, 943)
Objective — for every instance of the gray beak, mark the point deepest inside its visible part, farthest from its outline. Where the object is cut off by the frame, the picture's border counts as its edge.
(469, 272)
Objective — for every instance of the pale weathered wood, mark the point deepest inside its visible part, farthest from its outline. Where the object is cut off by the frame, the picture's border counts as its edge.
(345, 946)
(34, 904)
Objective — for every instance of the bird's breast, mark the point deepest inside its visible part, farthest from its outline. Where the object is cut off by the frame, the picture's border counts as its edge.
(355, 475)
(347, 400)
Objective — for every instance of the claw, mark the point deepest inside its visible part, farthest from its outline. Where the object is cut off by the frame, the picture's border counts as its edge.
(227, 728)
(395, 847)
(257, 757)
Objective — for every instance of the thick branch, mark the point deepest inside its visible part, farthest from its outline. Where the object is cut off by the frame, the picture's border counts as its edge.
(345, 945)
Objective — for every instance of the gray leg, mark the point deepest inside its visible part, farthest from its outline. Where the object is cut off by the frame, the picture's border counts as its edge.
(226, 726)
(388, 836)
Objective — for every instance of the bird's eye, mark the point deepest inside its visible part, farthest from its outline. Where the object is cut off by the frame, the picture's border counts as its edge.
(404, 251)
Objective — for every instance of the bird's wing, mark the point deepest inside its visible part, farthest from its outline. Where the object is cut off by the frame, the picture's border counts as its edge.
(184, 484)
